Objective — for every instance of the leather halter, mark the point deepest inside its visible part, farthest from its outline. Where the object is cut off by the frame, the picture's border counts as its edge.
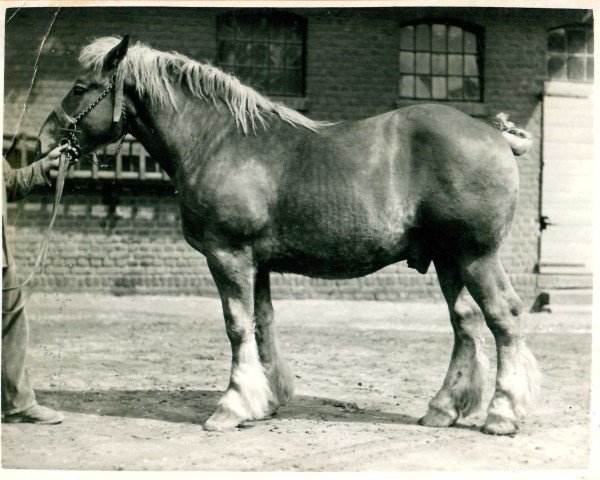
(69, 123)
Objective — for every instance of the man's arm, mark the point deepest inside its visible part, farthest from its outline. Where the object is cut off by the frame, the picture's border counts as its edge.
(20, 181)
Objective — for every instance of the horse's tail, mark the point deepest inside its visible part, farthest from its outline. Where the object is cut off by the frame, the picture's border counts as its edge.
(518, 139)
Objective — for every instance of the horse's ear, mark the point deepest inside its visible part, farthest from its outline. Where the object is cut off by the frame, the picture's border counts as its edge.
(116, 54)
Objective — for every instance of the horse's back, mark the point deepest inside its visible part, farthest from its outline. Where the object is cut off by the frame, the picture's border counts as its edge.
(359, 190)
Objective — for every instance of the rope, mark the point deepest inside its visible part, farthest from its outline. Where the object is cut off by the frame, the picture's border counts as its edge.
(39, 261)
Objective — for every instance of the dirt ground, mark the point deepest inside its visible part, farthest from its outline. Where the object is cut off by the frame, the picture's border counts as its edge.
(137, 376)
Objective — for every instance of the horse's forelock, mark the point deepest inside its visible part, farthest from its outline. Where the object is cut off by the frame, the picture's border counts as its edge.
(92, 55)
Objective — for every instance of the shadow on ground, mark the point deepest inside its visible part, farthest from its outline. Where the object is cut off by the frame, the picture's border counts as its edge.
(195, 406)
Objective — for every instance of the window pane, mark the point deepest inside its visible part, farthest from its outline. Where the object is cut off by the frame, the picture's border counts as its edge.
(244, 74)
(590, 41)
(455, 66)
(259, 28)
(455, 88)
(227, 28)
(472, 88)
(276, 55)
(226, 53)
(455, 39)
(557, 68)
(557, 40)
(260, 79)
(471, 67)
(407, 41)
(438, 87)
(590, 68)
(152, 165)
(470, 42)
(277, 80)
(259, 54)
(293, 31)
(407, 62)
(293, 55)
(423, 86)
(438, 64)
(576, 68)
(276, 32)
(423, 37)
(438, 38)
(575, 41)
(423, 65)
(259, 47)
(293, 81)
(407, 86)
(243, 54)
(248, 27)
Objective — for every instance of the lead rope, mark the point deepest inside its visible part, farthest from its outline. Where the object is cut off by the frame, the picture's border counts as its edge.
(63, 167)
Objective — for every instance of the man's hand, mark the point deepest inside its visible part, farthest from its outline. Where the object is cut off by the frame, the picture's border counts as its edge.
(51, 161)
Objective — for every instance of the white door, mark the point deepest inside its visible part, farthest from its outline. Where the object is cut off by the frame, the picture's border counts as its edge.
(567, 178)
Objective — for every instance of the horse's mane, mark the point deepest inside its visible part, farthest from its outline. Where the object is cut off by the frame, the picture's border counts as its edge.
(154, 73)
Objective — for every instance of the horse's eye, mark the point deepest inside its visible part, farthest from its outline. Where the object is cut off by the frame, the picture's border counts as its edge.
(78, 90)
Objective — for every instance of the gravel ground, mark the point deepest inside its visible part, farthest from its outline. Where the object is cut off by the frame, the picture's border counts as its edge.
(137, 376)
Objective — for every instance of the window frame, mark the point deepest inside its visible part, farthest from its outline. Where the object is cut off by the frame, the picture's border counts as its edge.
(269, 14)
(477, 30)
(565, 55)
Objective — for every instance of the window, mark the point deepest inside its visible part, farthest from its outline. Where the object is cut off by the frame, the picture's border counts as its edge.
(441, 61)
(570, 53)
(265, 51)
(131, 163)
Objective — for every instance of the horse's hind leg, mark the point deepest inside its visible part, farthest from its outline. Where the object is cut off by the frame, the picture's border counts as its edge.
(461, 391)
(517, 374)
(248, 395)
(280, 379)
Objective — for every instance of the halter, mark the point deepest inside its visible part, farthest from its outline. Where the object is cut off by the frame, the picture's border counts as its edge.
(69, 123)
(69, 156)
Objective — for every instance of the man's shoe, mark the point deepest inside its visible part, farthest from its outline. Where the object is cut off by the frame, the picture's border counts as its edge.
(36, 414)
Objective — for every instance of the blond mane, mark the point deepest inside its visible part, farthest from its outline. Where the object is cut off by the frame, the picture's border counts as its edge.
(155, 73)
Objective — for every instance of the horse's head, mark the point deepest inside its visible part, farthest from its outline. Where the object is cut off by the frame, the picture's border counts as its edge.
(92, 113)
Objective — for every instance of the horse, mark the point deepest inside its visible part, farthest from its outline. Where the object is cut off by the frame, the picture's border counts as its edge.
(262, 188)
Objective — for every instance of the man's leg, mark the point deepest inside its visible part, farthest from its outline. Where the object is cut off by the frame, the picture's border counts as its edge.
(18, 399)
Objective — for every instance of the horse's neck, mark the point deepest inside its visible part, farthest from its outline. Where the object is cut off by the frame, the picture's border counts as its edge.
(179, 139)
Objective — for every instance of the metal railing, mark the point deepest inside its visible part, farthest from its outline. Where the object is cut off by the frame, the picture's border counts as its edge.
(131, 163)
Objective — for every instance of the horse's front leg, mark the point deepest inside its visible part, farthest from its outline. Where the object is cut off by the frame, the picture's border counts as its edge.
(278, 374)
(248, 396)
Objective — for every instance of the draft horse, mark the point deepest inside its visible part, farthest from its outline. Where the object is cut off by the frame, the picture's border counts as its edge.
(262, 188)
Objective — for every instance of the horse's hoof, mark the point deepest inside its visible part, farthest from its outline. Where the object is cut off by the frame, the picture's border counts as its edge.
(437, 418)
(221, 421)
(499, 426)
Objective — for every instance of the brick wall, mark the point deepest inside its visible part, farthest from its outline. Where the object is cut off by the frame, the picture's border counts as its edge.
(351, 74)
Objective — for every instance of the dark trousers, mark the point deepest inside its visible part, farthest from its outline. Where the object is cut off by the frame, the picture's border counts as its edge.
(17, 392)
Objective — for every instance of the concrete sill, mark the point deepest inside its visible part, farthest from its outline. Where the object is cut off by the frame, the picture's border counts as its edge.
(475, 109)
(568, 89)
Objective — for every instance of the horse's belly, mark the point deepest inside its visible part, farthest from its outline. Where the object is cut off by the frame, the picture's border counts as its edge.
(346, 258)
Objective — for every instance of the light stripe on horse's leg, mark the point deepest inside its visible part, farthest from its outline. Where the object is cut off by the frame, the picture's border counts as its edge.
(248, 395)
(517, 376)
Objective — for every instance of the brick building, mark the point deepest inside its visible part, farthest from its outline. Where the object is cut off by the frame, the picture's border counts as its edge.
(119, 228)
